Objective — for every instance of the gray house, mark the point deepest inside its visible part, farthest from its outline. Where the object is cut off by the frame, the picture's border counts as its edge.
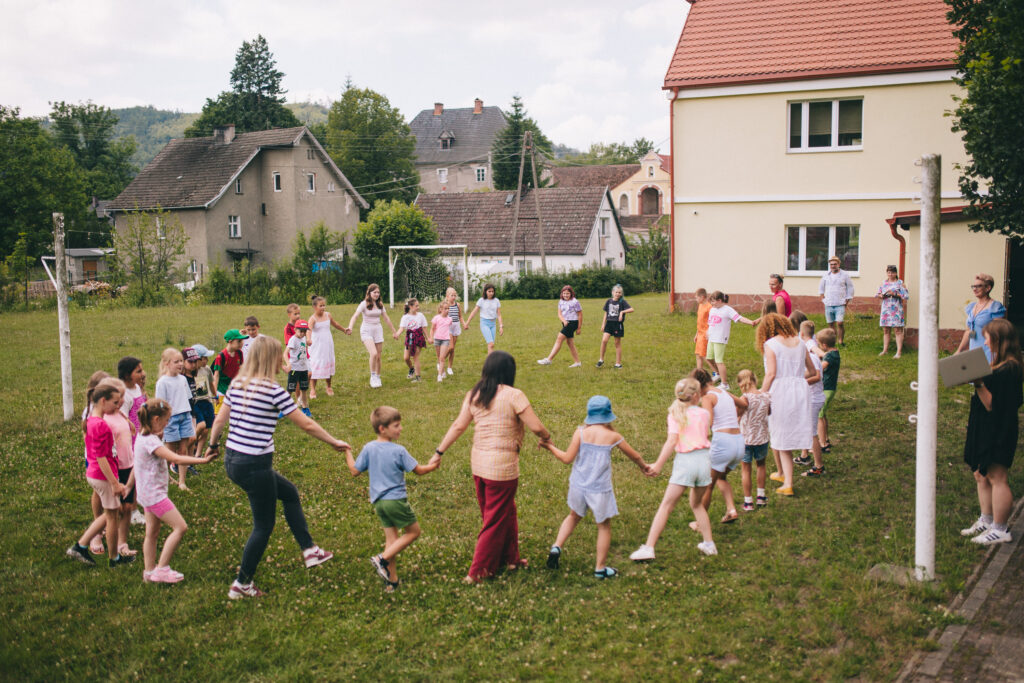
(453, 147)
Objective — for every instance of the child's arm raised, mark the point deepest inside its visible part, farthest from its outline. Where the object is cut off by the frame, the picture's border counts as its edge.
(622, 314)
(568, 455)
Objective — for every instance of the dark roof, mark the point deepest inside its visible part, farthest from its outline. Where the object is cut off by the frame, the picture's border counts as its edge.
(474, 134)
(483, 220)
(611, 175)
(194, 172)
(641, 225)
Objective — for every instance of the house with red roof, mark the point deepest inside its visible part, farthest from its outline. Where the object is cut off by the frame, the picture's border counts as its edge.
(795, 129)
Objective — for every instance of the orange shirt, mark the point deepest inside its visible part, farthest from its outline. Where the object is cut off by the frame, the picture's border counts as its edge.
(702, 317)
(498, 434)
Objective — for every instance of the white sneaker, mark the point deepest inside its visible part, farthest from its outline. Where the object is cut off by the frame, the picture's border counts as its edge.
(575, 365)
(440, 378)
(992, 536)
(642, 554)
(543, 361)
(723, 387)
(707, 547)
(975, 529)
(450, 373)
(138, 517)
(440, 368)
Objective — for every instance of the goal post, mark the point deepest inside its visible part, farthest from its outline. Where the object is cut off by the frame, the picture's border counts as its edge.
(459, 253)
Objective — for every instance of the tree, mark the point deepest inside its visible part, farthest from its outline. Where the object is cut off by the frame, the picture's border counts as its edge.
(507, 149)
(370, 142)
(149, 254)
(990, 115)
(613, 153)
(256, 99)
(17, 265)
(651, 256)
(87, 131)
(390, 223)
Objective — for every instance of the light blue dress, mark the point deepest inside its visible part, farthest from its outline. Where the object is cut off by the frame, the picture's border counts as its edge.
(976, 323)
(590, 482)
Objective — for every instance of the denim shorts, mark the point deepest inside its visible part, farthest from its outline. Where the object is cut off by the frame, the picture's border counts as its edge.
(487, 328)
(752, 453)
(691, 469)
(834, 314)
(179, 428)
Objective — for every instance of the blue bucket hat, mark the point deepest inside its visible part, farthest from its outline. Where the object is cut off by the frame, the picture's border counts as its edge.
(202, 351)
(599, 410)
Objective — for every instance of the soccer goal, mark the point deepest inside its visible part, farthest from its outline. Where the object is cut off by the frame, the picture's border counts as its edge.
(425, 271)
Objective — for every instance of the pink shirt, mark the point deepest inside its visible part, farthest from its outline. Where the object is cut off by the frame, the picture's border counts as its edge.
(695, 435)
(441, 327)
(122, 430)
(99, 444)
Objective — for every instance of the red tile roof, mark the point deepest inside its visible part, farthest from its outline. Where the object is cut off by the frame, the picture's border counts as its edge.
(727, 42)
(611, 175)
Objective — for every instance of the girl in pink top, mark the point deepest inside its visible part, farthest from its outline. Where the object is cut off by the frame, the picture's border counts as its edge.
(441, 330)
(123, 436)
(688, 426)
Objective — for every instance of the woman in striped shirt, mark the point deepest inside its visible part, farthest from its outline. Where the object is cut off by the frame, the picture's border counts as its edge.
(251, 407)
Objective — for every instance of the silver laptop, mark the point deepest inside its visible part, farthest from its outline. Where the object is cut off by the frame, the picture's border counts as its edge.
(964, 367)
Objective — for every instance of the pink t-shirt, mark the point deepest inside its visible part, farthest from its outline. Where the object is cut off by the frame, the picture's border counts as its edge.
(441, 327)
(150, 471)
(695, 435)
(99, 444)
(122, 430)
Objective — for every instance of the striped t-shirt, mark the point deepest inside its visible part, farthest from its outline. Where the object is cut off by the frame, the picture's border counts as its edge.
(254, 412)
(453, 313)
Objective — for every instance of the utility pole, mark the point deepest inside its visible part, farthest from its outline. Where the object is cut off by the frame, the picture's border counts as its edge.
(63, 324)
(536, 199)
(519, 192)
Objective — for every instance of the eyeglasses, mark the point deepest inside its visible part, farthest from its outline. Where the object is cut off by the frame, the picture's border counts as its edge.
(978, 286)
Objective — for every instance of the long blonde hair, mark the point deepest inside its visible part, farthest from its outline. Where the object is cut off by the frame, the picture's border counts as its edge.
(169, 355)
(686, 389)
(261, 363)
(747, 381)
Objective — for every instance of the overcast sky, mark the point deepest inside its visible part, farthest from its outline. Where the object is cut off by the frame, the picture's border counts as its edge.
(587, 70)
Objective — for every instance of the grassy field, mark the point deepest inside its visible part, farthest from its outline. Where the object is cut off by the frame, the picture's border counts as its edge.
(786, 598)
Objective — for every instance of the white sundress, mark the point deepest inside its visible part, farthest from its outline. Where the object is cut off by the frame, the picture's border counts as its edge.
(788, 423)
(321, 353)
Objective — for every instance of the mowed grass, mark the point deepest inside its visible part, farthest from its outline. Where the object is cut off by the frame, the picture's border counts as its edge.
(786, 597)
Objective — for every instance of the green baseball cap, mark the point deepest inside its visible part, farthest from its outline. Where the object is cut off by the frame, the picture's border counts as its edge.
(232, 335)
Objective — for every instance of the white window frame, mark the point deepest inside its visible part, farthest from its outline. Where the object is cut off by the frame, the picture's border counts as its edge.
(802, 251)
(277, 181)
(481, 174)
(193, 268)
(311, 182)
(603, 223)
(234, 227)
(805, 126)
(442, 175)
(524, 266)
(609, 262)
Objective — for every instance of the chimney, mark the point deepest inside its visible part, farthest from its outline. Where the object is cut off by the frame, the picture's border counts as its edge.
(438, 108)
(478, 106)
(222, 135)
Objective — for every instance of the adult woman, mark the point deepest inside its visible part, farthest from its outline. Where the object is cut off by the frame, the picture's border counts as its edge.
(893, 293)
(499, 411)
(992, 433)
(787, 365)
(370, 330)
(778, 301)
(980, 313)
(251, 406)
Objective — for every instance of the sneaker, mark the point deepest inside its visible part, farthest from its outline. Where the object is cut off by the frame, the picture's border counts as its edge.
(381, 565)
(748, 507)
(992, 536)
(724, 387)
(575, 365)
(762, 501)
(803, 460)
(244, 590)
(544, 361)
(617, 366)
(715, 378)
(815, 472)
(315, 555)
(147, 576)
(777, 476)
(164, 575)
(305, 411)
(192, 469)
(978, 527)
(120, 560)
(440, 378)
(77, 552)
(606, 573)
(412, 373)
(784, 490)
(375, 381)
(449, 371)
(553, 557)
(707, 547)
(174, 468)
(138, 517)
(599, 363)
(644, 553)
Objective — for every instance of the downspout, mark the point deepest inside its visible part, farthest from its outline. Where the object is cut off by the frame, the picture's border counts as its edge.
(672, 202)
(893, 226)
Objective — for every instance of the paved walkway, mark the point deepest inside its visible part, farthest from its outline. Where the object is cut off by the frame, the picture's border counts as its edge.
(990, 646)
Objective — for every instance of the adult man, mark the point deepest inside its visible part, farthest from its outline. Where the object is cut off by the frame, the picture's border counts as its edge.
(836, 290)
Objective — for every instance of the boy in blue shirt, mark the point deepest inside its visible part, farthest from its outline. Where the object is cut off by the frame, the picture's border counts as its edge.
(387, 463)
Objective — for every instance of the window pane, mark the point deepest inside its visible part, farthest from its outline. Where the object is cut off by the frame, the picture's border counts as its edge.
(848, 247)
(819, 119)
(850, 114)
(793, 248)
(796, 111)
(816, 257)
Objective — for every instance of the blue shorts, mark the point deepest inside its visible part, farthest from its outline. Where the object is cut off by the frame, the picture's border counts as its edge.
(487, 328)
(726, 451)
(834, 314)
(179, 428)
(752, 453)
(601, 504)
(204, 412)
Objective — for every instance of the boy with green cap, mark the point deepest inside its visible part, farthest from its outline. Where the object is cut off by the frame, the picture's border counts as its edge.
(228, 362)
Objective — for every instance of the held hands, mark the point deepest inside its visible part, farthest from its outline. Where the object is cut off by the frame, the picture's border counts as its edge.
(348, 331)
(434, 462)
(340, 446)
(649, 470)
(501, 329)
(395, 335)
(465, 325)
(120, 489)
(210, 455)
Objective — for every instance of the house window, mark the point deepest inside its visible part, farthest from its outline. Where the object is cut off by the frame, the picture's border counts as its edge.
(826, 125)
(604, 227)
(610, 262)
(310, 154)
(524, 266)
(650, 171)
(330, 186)
(277, 182)
(238, 186)
(311, 182)
(623, 204)
(193, 268)
(442, 175)
(808, 248)
(446, 143)
(234, 228)
(481, 174)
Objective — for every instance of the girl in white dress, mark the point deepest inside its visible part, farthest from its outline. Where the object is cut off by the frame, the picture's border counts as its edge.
(787, 365)
(371, 332)
(321, 345)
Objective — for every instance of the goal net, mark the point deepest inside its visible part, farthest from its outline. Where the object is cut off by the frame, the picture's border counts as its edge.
(426, 271)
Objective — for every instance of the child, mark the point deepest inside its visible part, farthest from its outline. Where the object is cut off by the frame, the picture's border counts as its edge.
(413, 322)
(173, 388)
(570, 314)
(490, 312)
(388, 462)
(451, 297)
(817, 401)
(101, 473)
(205, 394)
(96, 542)
(726, 441)
(293, 312)
(754, 426)
(129, 371)
(189, 371)
(590, 482)
(720, 320)
(252, 332)
(151, 458)
(321, 345)
(440, 330)
(829, 381)
(371, 332)
(615, 310)
(688, 425)
(298, 366)
(123, 431)
(228, 362)
(700, 340)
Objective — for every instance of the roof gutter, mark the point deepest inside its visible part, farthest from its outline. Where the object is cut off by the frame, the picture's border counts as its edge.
(893, 226)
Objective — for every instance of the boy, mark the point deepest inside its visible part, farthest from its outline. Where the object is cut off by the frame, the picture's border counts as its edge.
(829, 379)
(191, 359)
(817, 400)
(388, 462)
(205, 396)
(228, 362)
(252, 332)
(298, 366)
(293, 315)
(700, 339)
(615, 310)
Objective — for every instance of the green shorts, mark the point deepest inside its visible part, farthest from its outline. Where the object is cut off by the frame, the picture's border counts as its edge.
(716, 351)
(395, 513)
(829, 394)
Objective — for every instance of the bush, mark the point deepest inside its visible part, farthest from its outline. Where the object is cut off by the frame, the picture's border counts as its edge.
(591, 282)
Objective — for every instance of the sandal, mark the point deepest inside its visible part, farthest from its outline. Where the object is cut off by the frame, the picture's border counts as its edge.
(605, 573)
(730, 517)
(96, 546)
(827, 448)
(391, 586)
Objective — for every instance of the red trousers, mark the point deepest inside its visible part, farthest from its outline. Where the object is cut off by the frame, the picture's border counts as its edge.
(497, 544)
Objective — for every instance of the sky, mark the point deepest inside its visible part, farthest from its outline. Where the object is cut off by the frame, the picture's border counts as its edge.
(588, 71)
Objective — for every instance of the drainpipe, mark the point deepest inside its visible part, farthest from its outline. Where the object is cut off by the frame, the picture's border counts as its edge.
(903, 245)
(672, 201)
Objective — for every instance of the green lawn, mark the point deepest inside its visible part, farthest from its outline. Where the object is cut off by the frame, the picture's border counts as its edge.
(785, 598)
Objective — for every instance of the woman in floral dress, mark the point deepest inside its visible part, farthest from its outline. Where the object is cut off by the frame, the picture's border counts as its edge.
(892, 293)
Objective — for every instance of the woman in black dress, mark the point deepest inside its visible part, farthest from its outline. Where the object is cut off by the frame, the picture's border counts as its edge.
(992, 433)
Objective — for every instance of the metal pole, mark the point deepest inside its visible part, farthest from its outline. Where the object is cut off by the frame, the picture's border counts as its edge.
(391, 279)
(63, 324)
(927, 369)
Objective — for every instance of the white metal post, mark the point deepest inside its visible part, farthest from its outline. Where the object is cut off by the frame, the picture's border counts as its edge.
(391, 279)
(63, 323)
(465, 278)
(927, 369)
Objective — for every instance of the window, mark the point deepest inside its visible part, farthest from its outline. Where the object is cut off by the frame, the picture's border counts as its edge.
(808, 248)
(624, 204)
(826, 125)
(330, 186)
(442, 175)
(610, 262)
(524, 267)
(238, 186)
(650, 171)
(446, 143)
(234, 228)
(481, 174)
(604, 227)
(311, 182)
(310, 154)
(277, 182)
(193, 268)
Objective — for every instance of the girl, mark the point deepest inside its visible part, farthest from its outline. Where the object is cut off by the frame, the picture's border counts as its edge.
(451, 298)
(570, 314)
(321, 353)
(151, 458)
(101, 473)
(992, 433)
(817, 402)
(129, 371)
(893, 294)
(173, 388)
(688, 438)
(96, 542)
(720, 320)
(490, 311)
(615, 310)
(590, 483)
(754, 427)
(413, 322)
(124, 433)
(700, 340)
(370, 331)
(726, 442)
(440, 328)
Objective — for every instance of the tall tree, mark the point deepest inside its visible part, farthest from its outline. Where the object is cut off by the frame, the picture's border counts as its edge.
(390, 223)
(373, 146)
(87, 131)
(613, 153)
(990, 114)
(256, 99)
(508, 145)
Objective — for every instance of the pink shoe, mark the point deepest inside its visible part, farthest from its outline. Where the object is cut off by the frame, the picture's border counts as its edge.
(165, 575)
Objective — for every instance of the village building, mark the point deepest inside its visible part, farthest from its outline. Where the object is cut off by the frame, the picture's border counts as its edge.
(453, 147)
